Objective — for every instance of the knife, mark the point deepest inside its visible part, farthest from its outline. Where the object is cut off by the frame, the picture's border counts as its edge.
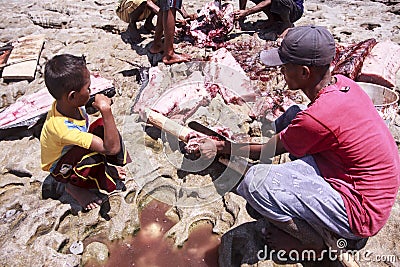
(207, 131)
(194, 125)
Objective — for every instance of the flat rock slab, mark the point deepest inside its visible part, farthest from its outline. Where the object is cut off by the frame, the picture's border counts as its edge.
(25, 55)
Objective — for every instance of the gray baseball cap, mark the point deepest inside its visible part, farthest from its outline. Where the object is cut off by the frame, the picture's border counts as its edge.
(303, 45)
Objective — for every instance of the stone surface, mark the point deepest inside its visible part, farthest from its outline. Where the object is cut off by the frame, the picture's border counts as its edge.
(95, 251)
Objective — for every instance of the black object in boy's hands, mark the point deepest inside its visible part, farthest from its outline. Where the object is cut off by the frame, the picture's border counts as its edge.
(110, 92)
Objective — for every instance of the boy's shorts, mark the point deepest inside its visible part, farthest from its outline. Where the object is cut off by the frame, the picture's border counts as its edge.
(92, 170)
(126, 7)
(165, 5)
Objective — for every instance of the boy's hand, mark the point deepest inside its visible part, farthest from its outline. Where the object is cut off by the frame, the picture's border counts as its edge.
(102, 102)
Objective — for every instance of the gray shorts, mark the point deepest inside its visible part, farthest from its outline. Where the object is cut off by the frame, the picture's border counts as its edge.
(295, 189)
(165, 5)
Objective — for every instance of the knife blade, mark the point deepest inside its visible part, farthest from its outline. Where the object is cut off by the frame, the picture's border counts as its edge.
(205, 130)
(194, 125)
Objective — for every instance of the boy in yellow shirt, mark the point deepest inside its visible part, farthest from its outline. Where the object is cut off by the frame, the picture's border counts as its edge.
(71, 151)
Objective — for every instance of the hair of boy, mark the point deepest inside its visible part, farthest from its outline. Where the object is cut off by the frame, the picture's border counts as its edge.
(65, 73)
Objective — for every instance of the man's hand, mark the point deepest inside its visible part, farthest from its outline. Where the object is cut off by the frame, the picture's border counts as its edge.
(209, 148)
(240, 14)
(102, 102)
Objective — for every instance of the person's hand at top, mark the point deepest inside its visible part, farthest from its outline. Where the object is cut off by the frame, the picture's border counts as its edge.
(102, 102)
(239, 14)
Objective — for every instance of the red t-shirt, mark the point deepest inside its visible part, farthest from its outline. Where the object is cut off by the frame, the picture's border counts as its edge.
(354, 151)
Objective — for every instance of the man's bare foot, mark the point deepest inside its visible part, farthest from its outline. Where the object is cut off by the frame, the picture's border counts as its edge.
(149, 26)
(156, 48)
(284, 27)
(176, 58)
(133, 33)
(282, 35)
(268, 24)
(86, 198)
(278, 239)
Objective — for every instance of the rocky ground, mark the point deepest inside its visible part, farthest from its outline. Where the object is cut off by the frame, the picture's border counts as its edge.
(38, 231)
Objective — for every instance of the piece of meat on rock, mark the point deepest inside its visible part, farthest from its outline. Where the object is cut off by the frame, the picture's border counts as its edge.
(381, 65)
(195, 138)
(182, 100)
(348, 61)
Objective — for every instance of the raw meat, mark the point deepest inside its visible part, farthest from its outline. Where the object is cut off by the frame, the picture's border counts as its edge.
(211, 27)
(181, 101)
(348, 61)
(194, 138)
(247, 53)
(220, 75)
(28, 109)
(381, 65)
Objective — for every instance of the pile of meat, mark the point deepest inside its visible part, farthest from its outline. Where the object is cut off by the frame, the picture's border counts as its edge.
(181, 101)
(210, 29)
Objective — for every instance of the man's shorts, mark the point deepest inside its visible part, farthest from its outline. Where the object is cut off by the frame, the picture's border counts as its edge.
(280, 6)
(126, 7)
(295, 189)
(165, 5)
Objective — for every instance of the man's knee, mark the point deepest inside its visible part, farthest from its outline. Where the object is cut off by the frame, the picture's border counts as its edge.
(243, 187)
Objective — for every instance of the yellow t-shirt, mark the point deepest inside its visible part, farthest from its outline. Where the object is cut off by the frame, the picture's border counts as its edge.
(60, 133)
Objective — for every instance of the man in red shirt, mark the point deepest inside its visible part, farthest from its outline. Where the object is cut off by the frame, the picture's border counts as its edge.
(345, 177)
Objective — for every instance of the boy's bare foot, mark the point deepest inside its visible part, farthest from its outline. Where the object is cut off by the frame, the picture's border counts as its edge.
(118, 172)
(86, 198)
(176, 58)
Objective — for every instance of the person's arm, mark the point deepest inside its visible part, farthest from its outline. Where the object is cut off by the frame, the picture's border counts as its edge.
(210, 148)
(111, 143)
(153, 6)
(255, 9)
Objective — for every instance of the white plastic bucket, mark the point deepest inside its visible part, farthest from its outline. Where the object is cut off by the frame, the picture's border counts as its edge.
(384, 99)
